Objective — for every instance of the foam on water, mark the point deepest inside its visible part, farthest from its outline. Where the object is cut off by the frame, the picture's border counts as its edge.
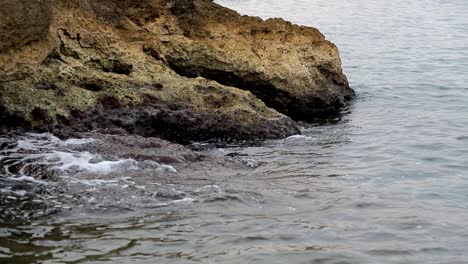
(55, 154)
(48, 150)
(24, 178)
(297, 137)
(41, 175)
(384, 183)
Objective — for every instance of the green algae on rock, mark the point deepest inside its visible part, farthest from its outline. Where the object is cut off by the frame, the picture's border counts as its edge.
(146, 66)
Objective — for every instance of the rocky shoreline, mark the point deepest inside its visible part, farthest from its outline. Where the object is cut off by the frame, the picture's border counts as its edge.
(180, 70)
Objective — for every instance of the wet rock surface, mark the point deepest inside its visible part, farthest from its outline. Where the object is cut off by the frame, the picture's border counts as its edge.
(118, 146)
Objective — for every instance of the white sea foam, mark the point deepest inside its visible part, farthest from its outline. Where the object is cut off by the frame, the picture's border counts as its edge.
(27, 179)
(16, 193)
(296, 137)
(299, 137)
(47, 150)
(184, 200)
(82, 161)
(250, 162)
(167, 168)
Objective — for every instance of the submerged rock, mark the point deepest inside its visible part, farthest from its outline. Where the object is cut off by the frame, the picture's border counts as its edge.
(42, 175)
(180, 70)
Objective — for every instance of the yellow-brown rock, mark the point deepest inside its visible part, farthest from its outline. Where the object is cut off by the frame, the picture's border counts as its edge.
(174, 69)
(293, 69)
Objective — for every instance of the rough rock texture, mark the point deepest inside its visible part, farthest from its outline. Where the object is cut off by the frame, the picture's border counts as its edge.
(103, 64)
(293, 69)
(24, 28)
(23, 22)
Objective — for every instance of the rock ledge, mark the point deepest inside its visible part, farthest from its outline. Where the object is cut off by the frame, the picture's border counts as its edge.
(183, 70)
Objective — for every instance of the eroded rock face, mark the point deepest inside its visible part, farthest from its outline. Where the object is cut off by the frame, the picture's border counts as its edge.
(104, 71)
(293, 69)
(23, 22)
(175, 69)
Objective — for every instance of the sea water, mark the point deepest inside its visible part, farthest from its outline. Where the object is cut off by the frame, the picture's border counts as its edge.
(385, 182)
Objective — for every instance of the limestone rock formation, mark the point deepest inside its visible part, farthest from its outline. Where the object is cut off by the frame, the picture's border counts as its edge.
(293, 69)
(23, 22)
(175, 69)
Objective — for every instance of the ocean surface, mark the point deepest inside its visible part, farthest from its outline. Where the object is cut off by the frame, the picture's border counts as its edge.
(385, 182)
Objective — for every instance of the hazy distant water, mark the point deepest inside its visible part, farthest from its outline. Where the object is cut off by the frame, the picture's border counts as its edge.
(385, 183)
(400, 157)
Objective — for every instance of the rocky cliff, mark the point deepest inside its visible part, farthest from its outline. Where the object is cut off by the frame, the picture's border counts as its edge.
(178, 69)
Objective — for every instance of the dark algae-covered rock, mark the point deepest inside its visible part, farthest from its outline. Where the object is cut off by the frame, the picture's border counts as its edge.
(181, 70)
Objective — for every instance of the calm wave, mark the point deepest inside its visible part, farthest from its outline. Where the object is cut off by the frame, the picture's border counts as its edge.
(386, 182)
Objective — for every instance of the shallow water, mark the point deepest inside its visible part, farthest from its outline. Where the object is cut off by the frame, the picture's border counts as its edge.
(387, 182)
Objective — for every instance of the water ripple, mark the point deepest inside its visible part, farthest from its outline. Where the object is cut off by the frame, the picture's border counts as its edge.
(383, 183)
